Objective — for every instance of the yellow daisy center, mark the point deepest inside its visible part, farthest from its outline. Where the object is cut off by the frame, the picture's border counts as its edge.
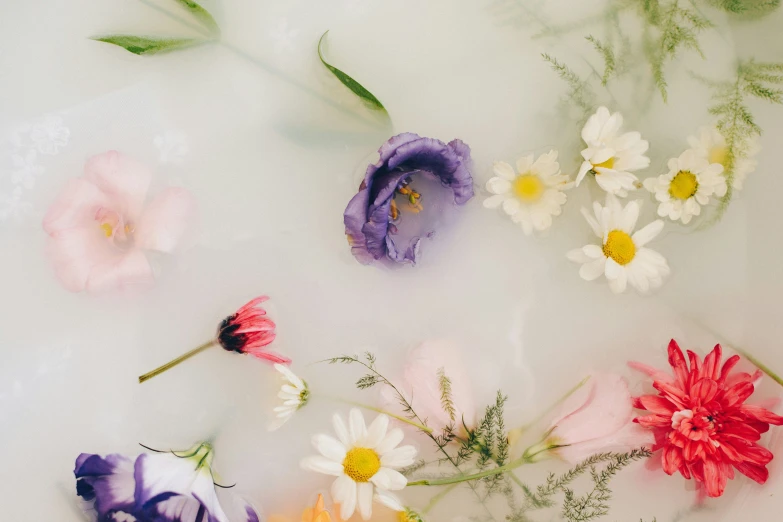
(361, 464)
(402, 516)
(608, 164)
(718, 155)
(683, 185)
(528, 187)
(619, 246)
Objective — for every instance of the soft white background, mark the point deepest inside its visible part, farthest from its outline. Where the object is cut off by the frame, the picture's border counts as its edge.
(275, 149)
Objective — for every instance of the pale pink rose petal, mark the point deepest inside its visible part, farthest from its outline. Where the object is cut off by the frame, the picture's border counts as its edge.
(630, 436)
(123, 179)
(165, 220)
(128, 271)
(76, 206)
(574, 402)
(607, 410)
(74, 252)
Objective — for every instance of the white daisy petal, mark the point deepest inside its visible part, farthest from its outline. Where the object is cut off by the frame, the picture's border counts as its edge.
(494, 201)
(389, 479)
(356, 426)
(592, 270)
(364, 499)
(322, 465)
(344, 492)
(341, 430)
(399, 458)
(503, 170)
(390, 501)
(618, 285)
(393, 437)
(377, 431)
(644, 235)
(629, 216)
(329, 447)
(498, 185)
(612, 269)
(511, 206)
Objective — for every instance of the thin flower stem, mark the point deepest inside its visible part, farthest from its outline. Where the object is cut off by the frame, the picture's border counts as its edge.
(400, 418)
(524, 459)
(552, 406)
(171, 364)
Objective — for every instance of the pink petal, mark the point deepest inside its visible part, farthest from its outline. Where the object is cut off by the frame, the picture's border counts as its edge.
(123, 179)
(127, 271)
(761, 414)
(631, 436)
(165, 220)
(75, 252)
(711, 368)
(76, 206)
(677, 361)
(269, 356)
(655, 373)
(657, 404)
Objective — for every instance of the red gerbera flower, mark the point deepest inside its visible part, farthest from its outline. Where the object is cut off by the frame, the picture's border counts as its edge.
(701, 422)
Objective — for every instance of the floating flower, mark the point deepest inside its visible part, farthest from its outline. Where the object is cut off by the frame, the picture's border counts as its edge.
(248, 331)
(701, 423)
(621, 256)
(533, 194)
(690, 183)
(100, 229)
(710, 144)
(316, 513)
(427, 368)
(596, 418)
(373, 217)
(610, 157)
(362, 459)
(295, 395)
(404, 514)
(154, 487)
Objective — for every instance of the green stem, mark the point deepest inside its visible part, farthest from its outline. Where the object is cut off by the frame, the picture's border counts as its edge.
(400, 418)
(524, 459)
(171, 364)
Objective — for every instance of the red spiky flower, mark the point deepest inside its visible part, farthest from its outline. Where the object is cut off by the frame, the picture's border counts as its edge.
(700, 420)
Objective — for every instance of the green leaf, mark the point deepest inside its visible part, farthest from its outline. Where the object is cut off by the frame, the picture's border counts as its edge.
(145, 45)
(349, 82)
(201, 14)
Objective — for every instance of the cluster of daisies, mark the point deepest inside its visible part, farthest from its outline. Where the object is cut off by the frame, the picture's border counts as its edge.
(534, 193)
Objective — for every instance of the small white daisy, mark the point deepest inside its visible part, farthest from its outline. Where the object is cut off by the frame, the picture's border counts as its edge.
(689, 184)
(295, 394)
(612, 157)
(362, 459)
(533, 194)
(711, 144)
(621, 256)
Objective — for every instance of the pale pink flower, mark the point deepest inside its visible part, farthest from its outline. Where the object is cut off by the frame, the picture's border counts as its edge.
(100, 228)
(421, 385)
(596, 418)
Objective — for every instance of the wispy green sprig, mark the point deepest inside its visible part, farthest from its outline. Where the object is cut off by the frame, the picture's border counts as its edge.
(580, 93)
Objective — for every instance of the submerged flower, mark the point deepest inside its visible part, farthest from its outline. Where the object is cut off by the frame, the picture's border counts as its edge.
(427, 368)
(690, 183)
(700, 420)
(248, 331)
(362, 459)
(621, 256)
(392, 188)
(100, 227)
(154, 487)
(596, 418)
(612, 157)
(532, 194)
(711, 145)
(295, 395)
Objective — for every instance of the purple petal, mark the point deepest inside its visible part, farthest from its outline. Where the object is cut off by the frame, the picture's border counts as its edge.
(109, 481)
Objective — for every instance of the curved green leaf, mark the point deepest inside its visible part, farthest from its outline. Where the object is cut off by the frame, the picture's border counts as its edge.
(201, 14)
(355, 87)
(146, 45)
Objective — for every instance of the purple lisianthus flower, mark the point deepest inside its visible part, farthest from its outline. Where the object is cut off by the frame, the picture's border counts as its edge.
(373, 217)
(153, 487)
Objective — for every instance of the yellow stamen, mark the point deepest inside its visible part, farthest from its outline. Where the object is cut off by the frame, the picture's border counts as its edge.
(395, 212)
(107, 229)
(608, 164)
(528, 187)
(683, 185)
(620, 247)
(361, 464)
(718, 155)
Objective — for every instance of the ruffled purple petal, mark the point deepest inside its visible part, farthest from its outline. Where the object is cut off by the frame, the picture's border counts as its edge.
(367, 216)
(106, 480)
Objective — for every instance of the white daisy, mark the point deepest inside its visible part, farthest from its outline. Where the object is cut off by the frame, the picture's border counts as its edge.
(362, 459)
(533, 194)
(295, 394)
(690, 183)
(610, 157)
(621, 256)
(711, 144)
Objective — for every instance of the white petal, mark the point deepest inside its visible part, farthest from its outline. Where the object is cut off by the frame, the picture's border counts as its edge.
(389, 479)
(329, 447)
(494, 201)
(341, 430)
(524, 164)
(399, 458)
(322, 465)
(592, 222)
(602, 155)
(511, 206)
(592, 270)
(613, 270)
(377, 431)
(390, 501)
(644, 235)
(288, 374)
(583, 170)
(618, 285)
(344, 492)
(364, 498)
(498, 185)
(393, 437)
(356, 426)
(629, 216)
(503, 170)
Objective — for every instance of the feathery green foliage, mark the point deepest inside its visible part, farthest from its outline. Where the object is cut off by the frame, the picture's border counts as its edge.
(745, 6)
(607, 52)
(446, 400)
(580, 93)
(673, 28)
(735, 121)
